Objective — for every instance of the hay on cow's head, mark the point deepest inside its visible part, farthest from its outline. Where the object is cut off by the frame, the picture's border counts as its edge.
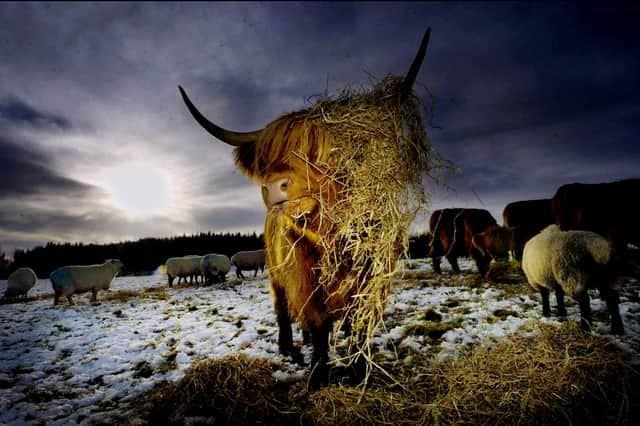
(380, 154)
(365, 156)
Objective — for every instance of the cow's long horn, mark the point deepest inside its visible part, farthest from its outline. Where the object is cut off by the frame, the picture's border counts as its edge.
(407, 84)
(226, 136)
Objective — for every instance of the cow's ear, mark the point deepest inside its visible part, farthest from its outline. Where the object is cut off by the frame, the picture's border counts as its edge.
(245, 159)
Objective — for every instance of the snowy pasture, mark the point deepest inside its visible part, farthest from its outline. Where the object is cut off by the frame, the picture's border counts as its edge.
(84, 364)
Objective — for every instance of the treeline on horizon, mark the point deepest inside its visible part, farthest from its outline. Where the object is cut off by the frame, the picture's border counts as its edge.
(144, 256)
(141, 257)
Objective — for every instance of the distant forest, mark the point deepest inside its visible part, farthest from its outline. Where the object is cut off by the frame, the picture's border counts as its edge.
(140, 257)
(144, 256)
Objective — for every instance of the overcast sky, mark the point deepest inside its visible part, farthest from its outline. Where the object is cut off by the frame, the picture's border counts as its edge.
(96, 144)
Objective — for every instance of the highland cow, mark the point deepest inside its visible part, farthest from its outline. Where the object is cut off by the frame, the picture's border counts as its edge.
(315, 269)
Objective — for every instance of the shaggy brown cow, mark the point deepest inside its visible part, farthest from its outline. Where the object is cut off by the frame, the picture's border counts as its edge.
(294, 160)
(605, 208)
(452, 231)
(526, 218)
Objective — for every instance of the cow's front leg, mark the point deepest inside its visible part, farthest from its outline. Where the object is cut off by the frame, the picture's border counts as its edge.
(357, 369)
(435, 261)
(453, 261)
(319, 361)
(285, 335)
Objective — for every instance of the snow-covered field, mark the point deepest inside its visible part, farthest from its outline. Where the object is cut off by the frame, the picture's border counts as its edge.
(83, 364)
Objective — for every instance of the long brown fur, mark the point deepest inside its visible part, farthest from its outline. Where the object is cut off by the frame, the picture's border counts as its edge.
(353, 169)
(274, 151)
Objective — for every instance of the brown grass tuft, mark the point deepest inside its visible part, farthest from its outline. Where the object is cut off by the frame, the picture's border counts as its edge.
(231, 390)
(154, 293)
(507, 272)
(560, 375)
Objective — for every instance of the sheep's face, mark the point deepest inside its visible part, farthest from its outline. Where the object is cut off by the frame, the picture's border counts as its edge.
(116, 264)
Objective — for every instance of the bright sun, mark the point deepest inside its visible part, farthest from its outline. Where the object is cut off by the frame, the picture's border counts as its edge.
(138, 188)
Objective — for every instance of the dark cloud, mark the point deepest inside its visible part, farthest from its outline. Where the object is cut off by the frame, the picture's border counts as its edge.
(15, 111)
(37, 220)
(223, 219)
(527, 96)
(25, 171)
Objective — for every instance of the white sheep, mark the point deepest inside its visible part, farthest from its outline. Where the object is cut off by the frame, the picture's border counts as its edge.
(69, 280)
(248, 261)
(214, 267)
(572, 262)
(19, 283)
(183, 267)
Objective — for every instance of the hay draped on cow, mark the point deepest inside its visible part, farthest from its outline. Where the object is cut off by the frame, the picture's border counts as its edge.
(342, 180)
(368, 153)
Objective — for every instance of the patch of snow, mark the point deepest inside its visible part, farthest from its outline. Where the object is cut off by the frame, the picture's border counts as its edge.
(78, 364)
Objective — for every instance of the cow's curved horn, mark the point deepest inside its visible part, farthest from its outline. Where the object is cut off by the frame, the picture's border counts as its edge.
(407, 84)
(226, 136)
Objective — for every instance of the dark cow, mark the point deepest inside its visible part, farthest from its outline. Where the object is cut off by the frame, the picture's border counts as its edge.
(605, 208)
(526, 218)
(452, 231)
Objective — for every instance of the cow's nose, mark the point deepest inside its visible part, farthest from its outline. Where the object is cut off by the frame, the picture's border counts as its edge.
(275, 192)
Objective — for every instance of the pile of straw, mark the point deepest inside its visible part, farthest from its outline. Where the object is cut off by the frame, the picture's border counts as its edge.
(230, 390)
(560, 375)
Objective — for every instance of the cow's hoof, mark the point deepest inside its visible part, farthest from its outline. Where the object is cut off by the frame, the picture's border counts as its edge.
(295, 355)
(318, 377)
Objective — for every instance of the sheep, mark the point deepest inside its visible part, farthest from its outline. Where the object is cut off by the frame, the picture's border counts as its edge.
(19, 283)
(214, 267)
(69, 280)
(183, 267)
(248, 261)
(572, 262)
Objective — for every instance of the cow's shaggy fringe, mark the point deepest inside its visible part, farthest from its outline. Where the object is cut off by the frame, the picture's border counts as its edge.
(558, 375)
(379, 155)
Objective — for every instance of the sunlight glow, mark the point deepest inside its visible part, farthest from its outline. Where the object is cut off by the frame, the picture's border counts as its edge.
(139, 189)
